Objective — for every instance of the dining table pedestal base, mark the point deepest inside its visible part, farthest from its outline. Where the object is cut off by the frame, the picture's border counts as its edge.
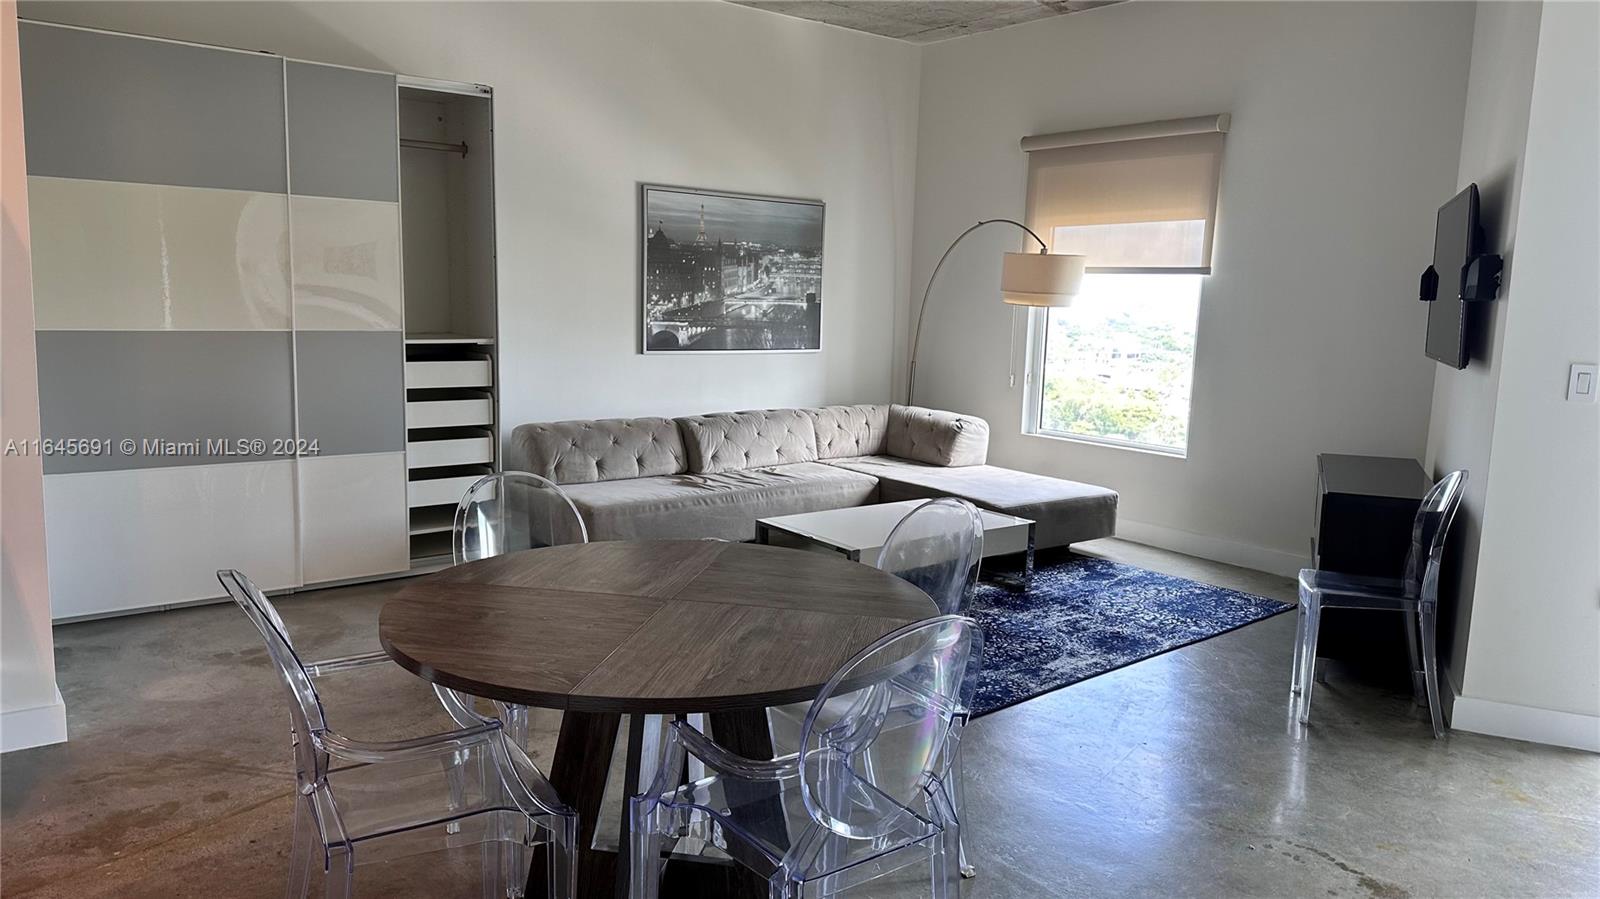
(580, 771)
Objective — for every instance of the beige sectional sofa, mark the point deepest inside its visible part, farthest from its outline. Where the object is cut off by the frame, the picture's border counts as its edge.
(714, 475)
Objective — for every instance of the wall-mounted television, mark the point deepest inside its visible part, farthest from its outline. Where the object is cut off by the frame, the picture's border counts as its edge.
(1457, 238)
(1461, 275)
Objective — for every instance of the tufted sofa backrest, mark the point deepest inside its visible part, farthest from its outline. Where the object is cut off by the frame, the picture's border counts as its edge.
(847, 431)
(731, 441)
(937, 437)
(610, 449)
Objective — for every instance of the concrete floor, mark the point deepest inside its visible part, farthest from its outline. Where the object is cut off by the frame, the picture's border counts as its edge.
(1176, 776)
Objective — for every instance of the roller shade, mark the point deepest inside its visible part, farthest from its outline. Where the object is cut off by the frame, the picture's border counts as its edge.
(1145, 204)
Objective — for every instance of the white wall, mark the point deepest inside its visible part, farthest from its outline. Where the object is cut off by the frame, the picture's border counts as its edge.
(1346, 128)
(1534, 645)
(31, 712)
(1494, 131)
(590, 100)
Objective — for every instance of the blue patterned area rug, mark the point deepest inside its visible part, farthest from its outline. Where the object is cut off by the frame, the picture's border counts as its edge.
(1082, 616)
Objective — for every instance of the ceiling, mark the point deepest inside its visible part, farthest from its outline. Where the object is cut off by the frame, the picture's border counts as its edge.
(923, 22)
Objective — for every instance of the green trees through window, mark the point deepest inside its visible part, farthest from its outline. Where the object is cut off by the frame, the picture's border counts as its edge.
(1119, 362)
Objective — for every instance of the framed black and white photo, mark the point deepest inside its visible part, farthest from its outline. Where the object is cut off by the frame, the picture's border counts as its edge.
(730, 273)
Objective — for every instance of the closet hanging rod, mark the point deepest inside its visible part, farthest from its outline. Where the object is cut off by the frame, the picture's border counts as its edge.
(446, 146)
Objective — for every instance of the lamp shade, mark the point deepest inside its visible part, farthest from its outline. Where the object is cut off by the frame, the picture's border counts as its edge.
(1040, 279)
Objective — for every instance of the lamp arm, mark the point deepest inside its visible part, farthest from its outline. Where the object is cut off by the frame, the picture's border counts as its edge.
(916, 334)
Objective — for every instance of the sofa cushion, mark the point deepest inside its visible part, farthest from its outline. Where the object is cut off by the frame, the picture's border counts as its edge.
(846, 431)
(733, 441)
(936, 437)
(724, 505)
(1065, 512)
(582, 452)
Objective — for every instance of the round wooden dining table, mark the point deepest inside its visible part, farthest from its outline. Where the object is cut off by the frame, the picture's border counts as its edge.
(635, 628)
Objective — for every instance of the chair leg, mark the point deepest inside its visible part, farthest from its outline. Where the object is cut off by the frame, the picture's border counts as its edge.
(561, 870)
(644, 845)
(1308, 657)
(305, 845)
(958, 780)
(514, 858)
(1413, 627)
(946, 854)
(455, 776)
(506, 850)
(1430, 668)
(1299, 648)
(338, 880)
(493, 878)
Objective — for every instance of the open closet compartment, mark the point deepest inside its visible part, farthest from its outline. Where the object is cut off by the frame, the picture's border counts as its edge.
(447, 222)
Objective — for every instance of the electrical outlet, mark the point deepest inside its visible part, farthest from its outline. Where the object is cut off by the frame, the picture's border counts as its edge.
(1581, 384)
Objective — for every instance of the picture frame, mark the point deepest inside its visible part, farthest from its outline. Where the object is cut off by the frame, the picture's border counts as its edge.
(730, 273)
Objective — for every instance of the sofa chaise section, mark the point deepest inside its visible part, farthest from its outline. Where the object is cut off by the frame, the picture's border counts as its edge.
(1065, 512)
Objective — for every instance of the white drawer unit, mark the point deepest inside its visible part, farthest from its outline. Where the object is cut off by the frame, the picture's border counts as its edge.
(449, 413)
(429, 374)
(439, 491)
(450, 451)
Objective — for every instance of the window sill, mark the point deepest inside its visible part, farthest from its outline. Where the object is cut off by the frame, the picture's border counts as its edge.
(1164, 451)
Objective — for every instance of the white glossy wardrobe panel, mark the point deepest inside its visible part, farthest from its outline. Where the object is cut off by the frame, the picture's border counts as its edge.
(119, 256)
(354, 518)
(138, 539)
(346, 264)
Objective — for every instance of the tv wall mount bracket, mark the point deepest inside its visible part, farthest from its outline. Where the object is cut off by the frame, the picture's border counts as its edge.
(1480, 280)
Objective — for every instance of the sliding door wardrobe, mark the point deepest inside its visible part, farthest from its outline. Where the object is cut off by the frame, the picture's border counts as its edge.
(222, 257)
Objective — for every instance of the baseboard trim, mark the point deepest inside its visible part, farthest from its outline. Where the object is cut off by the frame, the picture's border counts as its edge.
(1216, 549)
(1521, 722)
(38, 725)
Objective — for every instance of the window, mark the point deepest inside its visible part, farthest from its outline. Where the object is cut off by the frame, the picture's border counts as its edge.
(1139, 202)
(1117, 365)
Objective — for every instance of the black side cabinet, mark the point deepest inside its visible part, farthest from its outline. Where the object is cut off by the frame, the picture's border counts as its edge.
(1365, 506)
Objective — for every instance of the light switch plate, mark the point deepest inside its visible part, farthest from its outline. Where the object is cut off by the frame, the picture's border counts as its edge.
(1581, 384)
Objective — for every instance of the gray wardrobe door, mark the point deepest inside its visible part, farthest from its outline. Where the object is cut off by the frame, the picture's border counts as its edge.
(119, 108)
(342, 133)
(352, 394)
(156, 387)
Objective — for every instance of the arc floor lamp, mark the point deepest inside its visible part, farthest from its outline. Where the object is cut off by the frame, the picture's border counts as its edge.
(1026, 279)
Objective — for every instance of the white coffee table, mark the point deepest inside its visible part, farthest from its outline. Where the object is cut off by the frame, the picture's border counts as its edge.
(859, 532)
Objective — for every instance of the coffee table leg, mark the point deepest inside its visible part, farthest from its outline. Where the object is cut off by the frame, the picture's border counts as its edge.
(1027, 562)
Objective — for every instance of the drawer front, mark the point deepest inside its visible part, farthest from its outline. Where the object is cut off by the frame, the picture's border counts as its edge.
(449, 413)
(439, 491)
(449, 373)
(459, 451)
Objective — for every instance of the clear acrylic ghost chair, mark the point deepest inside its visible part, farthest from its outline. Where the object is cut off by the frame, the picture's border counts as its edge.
(362, 802)
(937, 547)
(823, 820)
(1416, 595)
(508, 512)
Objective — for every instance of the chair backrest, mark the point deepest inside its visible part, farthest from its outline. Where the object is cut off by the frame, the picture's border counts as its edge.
(305, 707)
(938, 548)
(895, 699)
(511, 511)
(1428, 533)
